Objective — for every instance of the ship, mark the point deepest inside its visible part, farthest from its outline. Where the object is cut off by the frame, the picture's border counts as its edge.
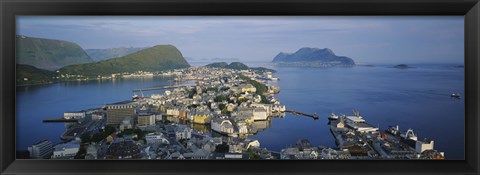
(455, 95)
(333, 116)
(393, 130)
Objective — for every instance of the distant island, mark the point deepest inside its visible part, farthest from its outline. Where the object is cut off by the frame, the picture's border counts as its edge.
(312, 57)
(403, 66)
(238, 66)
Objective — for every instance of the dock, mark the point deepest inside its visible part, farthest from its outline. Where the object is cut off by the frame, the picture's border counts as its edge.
(60, 120)
(314, 116)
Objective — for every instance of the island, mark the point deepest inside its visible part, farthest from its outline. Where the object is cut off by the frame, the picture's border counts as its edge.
(312, 57)
(403, 66)
(238, 66)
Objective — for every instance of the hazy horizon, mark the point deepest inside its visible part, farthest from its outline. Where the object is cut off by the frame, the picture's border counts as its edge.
(366, 39)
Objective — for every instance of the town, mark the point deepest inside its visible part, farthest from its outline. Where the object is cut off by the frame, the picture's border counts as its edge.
(209, 114)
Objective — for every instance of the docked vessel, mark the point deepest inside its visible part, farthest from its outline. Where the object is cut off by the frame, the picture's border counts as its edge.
(333, 116)
(393, 130)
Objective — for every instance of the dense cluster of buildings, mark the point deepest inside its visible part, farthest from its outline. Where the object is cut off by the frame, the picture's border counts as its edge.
(209, 114)
(224, 102)
(364, 141)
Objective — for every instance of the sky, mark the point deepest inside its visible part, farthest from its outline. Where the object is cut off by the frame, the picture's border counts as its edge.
(366, 39)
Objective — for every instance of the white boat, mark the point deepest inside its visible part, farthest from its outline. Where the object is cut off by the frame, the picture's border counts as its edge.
(333, 116)
(455, 95)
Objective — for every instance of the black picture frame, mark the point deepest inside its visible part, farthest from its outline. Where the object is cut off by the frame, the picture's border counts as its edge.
(470, 9)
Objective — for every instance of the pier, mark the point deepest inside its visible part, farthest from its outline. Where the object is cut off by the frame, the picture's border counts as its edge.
(163, 87)
(60, 120)
(314, 116)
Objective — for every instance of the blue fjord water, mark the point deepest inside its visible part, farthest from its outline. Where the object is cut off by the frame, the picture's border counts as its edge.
(416, 98)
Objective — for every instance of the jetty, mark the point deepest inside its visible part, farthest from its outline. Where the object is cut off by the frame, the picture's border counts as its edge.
(60, 120)
(314, 116)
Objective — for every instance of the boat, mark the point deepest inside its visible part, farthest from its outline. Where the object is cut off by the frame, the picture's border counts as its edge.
(393, 130)
(333, 116)
(455, 95)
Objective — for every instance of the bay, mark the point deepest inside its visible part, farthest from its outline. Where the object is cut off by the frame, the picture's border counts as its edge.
(416, 98)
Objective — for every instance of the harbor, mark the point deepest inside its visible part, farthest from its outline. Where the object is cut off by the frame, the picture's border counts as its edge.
(235, 113)
(364, 141)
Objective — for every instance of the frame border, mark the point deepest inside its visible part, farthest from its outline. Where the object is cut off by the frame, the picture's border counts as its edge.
(470, 9)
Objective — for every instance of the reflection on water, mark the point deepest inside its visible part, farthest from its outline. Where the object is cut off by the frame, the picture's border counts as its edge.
(262, 125)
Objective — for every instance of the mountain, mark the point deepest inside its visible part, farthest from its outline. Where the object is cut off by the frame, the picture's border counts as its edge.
(238, 66)
(103, 54)
(312, 57)
(30, 75)
(153, 59)
(49, 54)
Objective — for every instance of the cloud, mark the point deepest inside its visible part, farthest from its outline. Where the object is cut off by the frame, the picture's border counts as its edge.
(365, 37)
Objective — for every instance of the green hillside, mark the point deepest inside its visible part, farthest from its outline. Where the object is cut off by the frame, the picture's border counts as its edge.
(103, 54)
(49, 54)
(238, 66)
(30, 75)
(157, 58)
(233, 65)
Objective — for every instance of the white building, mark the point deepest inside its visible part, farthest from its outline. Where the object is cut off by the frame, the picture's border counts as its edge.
(222, 125)
(127, 123)
(158, 117)
(253, 143)
(146, 120)
(421, 146)
(97, 116)
(357, 123)
(66, 150)
(173, 112)
(156, 138)
(41, 149)
(242, 128)
(259, 114)
(295, 153)
(183, 132)
(74, 115)
(329, 153)
(267, 107)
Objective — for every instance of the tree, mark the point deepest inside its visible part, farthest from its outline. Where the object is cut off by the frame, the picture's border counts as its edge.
(222, 148)
(220, 98)
(221, 106)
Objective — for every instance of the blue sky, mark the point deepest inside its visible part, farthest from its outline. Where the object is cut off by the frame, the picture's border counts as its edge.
(366, 39)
